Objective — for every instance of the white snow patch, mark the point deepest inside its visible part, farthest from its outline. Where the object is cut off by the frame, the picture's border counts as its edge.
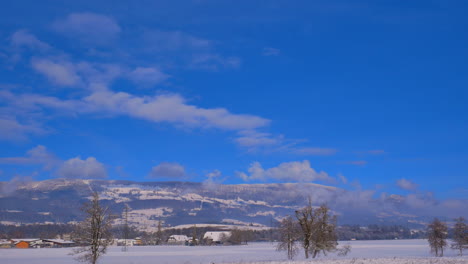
(362, 252)
(263, 213)
(145, 219)
(44, 213)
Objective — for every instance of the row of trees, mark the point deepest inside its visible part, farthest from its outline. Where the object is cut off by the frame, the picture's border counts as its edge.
(160, 235)
(438, 232)
(378, 232)
(314, 227)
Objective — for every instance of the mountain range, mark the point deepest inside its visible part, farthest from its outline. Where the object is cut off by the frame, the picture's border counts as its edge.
(180, 204)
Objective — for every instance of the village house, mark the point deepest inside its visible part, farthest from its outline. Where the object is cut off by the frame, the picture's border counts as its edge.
(216, 237)
(125, 242)
(35, 243)
(178, 239)
(57, 243)
(5, 243)
(138, 241)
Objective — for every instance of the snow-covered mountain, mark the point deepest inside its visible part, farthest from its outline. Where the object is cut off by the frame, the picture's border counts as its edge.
(174, 203)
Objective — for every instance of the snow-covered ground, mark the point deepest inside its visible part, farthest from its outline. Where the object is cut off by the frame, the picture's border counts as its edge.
(362, 252)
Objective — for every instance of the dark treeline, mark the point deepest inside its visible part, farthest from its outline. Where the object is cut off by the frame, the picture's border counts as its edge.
(378, 232)
(35, 231)
(50, 231)
(346, 232)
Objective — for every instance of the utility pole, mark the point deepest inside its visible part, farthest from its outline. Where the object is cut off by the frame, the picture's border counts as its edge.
(125, 231)
(271, 229)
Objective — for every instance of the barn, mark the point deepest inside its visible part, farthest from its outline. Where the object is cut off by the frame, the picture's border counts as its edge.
(26, 242)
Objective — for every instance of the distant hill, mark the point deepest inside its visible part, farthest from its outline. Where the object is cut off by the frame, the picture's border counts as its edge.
(175, 203)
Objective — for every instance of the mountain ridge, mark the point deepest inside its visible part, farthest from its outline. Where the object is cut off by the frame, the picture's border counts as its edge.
(174, 203)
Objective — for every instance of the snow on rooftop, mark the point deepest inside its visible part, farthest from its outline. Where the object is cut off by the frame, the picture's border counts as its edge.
(178, 238)
(217, 236)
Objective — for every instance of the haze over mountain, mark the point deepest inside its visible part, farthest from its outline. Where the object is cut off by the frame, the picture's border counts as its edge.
(187, 203)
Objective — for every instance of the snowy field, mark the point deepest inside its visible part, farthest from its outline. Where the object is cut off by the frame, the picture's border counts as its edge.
(362, 252)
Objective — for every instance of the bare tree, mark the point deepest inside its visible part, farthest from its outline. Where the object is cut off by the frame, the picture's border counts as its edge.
(318, 229)
(306, 221)
(324, 237)
(460, 235)
(437, 235)
(344, 250)
(289, 234)
(236, 237)
(93, 233)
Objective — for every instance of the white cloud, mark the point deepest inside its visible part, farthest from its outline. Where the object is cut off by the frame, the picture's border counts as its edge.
(269, 51)
(213, 180)
(181, 48)
(314, 151)
(168, 170)
(343, 179)
(11, 129)
(77, 168)
(214, 174)
(36, 155)
(407, 184)
(22, 38)
(371, 152)
(92, 76)
(98, 74)
(170, 108)
(147, 76)
(73, 168)
(356, 162)
(60, 73)
(253, 139)
(214, 62)
(288, 171)
(89, 27)
(174, 41)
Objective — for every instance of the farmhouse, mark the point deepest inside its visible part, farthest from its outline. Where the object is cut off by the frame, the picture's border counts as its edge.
(5, 243)
(216, 237)
(138, 241)
(124, 242)
(178, 239)
(57, 243)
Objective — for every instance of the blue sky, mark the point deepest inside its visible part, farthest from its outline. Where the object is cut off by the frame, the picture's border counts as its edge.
(367, 95)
